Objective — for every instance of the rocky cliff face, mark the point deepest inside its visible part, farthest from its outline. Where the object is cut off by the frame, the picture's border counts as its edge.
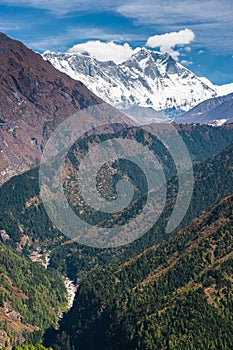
(34, 99)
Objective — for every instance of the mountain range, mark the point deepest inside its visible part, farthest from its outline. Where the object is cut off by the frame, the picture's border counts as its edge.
(165, 290)
(149, 86)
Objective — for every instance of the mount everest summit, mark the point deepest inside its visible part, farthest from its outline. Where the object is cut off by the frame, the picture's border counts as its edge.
(149, 85)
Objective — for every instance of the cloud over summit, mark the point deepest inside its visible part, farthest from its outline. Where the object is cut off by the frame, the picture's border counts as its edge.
(119, 53)
(168, 41)
(104, 51)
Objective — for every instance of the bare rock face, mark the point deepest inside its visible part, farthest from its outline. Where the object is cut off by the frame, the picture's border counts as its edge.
(34, 99)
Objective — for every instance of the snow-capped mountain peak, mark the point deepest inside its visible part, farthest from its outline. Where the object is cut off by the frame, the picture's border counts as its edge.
(147, 79)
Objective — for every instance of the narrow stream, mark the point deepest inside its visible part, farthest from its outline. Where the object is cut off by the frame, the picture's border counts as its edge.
(71, 287)
(71, 290)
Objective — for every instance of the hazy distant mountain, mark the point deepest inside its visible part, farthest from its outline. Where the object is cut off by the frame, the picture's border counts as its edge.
(148, 79)
(215, 111)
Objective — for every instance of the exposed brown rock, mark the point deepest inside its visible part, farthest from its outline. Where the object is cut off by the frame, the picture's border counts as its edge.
(34, 99)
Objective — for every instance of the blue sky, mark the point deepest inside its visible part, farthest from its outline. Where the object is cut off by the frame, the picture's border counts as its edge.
(206, 47)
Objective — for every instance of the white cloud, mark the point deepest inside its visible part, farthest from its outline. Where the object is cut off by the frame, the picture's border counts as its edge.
(166, 42)
(62, 41)
(175, 12)
(186, 62)
(8, 27)
(55, 6)
(211, 20)
(105, 51)
(63, 7)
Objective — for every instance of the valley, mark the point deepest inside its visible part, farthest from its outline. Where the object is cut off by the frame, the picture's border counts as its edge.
(165, 290)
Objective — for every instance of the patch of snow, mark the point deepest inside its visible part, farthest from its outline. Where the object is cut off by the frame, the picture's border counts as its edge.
(218, 122)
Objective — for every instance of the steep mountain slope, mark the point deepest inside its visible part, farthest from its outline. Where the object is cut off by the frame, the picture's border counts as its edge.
(34, 99)
(147, 79)
(176, 295)
(213, 181)
(30, 298)
(23, 217)
(153, 320)
(215, 111)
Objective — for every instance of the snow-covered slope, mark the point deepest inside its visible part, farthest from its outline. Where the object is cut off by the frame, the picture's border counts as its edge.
(221, 90)
(224, 89)
(146, 79)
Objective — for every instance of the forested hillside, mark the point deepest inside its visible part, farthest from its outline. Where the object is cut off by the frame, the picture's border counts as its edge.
(28, 347)
(31, 298)
(23, 217)
(175, 295)
(26, 227)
